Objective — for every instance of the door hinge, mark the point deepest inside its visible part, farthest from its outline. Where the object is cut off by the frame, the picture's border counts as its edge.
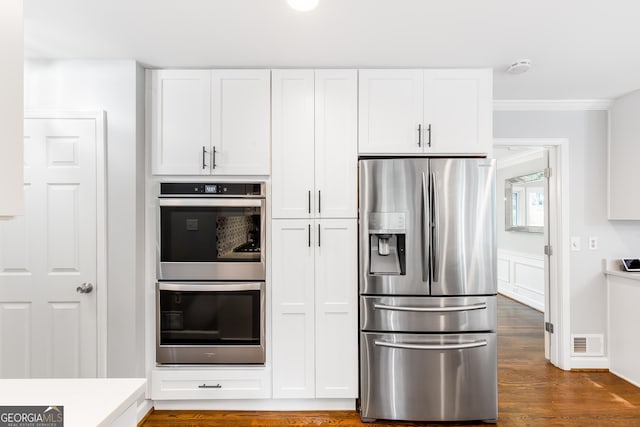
(548, 326)
(548, 250)
(547, 172)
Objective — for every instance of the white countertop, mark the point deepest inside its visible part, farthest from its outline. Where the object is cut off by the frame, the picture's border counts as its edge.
(622, 273)
(87, 401)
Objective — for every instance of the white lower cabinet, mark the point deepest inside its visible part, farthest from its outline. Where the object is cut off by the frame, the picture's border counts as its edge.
(223, 383)
(314, 289)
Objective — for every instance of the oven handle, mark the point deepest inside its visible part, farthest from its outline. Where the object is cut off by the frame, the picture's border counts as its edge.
(222, 287)
(462, 346)
(189, 202)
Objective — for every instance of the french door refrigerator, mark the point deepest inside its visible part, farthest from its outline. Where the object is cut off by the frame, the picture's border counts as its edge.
(427, 279)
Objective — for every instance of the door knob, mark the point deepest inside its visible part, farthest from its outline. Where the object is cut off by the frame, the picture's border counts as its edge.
(85, 288)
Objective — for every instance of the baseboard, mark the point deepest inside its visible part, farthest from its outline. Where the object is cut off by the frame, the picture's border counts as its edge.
(578, 363)
(145, 408)
(258, 405)
(635, 383)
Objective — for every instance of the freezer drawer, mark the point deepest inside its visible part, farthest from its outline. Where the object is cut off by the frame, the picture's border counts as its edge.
(428, 314)
(428, 377)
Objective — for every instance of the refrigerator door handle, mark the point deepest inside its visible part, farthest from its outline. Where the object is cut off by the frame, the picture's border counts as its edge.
(435, 259)
(479, 306)
(426, 227)
(463, 346)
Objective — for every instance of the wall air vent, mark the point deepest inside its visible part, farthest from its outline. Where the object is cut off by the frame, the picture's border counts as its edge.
(587, 345)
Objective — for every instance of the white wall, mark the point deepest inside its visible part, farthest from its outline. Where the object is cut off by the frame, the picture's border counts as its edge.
(114, 87)
(11, 109)
(587, 135)
(530, 243)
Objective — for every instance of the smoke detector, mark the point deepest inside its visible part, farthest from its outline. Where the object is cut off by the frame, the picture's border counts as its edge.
(520, 66)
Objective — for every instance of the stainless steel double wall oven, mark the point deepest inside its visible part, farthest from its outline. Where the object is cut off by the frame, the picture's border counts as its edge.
(210, 297)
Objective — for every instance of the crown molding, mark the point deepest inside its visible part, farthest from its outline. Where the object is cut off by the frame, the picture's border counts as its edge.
(552, 104)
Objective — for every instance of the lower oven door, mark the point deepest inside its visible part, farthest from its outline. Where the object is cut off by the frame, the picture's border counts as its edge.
(428, 377)
(210, 323)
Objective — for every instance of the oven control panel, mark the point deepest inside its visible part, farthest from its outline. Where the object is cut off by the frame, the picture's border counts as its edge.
(210, 189)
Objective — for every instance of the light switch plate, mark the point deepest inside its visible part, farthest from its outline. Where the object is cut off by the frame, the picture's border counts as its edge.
(593, 243)
(575, 243)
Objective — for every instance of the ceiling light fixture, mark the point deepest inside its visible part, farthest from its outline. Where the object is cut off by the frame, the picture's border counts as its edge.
(520, 66)
(303, 5)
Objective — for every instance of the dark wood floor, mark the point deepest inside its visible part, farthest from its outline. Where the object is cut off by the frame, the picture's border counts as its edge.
(531, 391)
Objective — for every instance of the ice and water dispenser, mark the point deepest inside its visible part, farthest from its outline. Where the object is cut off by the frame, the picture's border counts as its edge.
(387, 231)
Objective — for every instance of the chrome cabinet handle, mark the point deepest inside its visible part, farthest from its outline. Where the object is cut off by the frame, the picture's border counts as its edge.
(309, 235)
(429, 133)
(210, 386)
(309, 201)
(319, 201)
(479, 306)
(463, 346)
(85, 288)
(420, 135)
(318, 235)
(204, 153)
(213, 166)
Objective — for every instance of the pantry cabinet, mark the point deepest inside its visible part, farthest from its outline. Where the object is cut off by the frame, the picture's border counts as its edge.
(210, 122)
(314, 154)
(315, 331)
(430, 112)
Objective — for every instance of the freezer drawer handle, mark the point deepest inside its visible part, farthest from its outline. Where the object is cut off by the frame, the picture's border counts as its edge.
(479, 306)
(462, 346)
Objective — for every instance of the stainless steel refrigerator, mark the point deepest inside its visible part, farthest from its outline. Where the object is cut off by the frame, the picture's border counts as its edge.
(427, 279)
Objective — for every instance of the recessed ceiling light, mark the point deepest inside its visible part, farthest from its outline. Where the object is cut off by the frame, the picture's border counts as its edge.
(303, 5)
(520, 66)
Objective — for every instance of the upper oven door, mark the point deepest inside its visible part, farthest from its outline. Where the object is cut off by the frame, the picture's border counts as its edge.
(211, 239)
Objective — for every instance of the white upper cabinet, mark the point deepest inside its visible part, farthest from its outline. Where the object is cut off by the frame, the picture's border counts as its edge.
(624, 152)
(315, 156)
(293, 140)
(437, 112)
(390, 111)
(210, 122)
(240, 122)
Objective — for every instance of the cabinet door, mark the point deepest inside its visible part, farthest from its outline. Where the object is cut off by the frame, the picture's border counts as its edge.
(240, 122)
(293, 136)
(181, 117)
(390, 111)
(458, 106)
(293, 311)
(336, 293)
(336, 143)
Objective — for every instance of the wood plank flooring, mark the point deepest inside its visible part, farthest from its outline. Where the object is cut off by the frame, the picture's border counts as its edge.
(531, 391)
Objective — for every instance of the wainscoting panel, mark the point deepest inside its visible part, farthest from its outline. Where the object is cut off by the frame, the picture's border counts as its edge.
(521, 277)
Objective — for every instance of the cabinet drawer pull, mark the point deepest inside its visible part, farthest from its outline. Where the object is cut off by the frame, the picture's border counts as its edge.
(210, 386)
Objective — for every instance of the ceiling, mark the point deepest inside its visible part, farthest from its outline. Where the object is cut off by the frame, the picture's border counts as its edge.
(580, 49)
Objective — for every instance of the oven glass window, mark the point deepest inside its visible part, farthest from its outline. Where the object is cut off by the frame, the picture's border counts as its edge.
(210, 318)
(210, 234)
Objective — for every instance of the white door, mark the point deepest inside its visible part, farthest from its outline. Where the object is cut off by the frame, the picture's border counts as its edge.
(240, 118)
(390, 111)
(336, 302)
(293, 309)
(336, 143)
(293, 141)
(181, 117)
(457, 111)
(47, 327)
